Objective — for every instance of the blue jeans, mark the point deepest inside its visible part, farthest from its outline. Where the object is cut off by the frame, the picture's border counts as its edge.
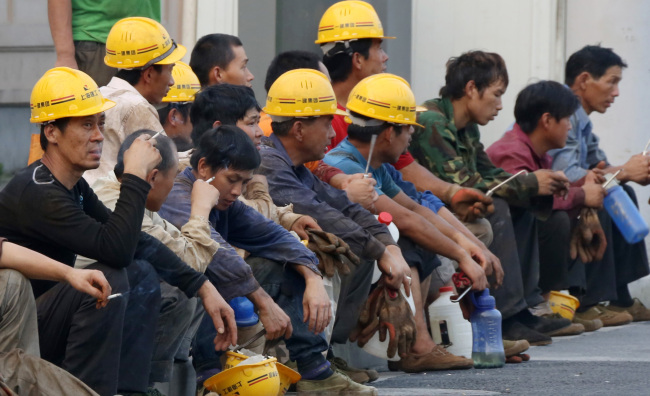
(286, 287)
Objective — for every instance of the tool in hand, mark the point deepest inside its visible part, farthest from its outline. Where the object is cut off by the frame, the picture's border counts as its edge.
(461, 280)
(373, 140)
(493, 189)
(612, 178)
(645, 149)
(254, 338)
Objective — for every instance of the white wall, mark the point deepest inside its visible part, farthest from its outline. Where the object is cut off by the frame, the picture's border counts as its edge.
(625, 128)
(524, 33)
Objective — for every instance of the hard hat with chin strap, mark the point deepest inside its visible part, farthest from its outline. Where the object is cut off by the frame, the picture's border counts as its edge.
(186, 84)
(63, 92)
(301, 93)
(139, 42)
(385, 97)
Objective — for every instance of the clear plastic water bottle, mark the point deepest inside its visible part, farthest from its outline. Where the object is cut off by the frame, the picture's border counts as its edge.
(248, 323)
(487, 347)
(625, 214)
(448, 326)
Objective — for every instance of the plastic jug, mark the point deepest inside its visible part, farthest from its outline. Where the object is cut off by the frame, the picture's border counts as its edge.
(386, 219)
(625, 214)
(248, 323)
(448, 326)
(487, 346)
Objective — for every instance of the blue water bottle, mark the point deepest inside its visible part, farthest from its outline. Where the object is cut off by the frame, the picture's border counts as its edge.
(487, 346)
(248, 323)
(625, 214)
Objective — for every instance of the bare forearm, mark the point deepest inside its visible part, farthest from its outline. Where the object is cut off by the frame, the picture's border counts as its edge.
(32, 264)
(458, 225)
(59, 14)
(438, 222)
(426, 235)
(425, 180)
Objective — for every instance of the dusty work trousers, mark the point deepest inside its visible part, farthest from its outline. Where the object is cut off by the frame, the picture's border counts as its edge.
(27, 375)
(554, 236)
(18, 328)
(90, 59)
(515, 244)
(286, 287)
(622, 263)
(176, 315)
(109, 349)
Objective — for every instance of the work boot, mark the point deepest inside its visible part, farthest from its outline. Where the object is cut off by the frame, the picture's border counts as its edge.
(357, 375)
(336, 384)
(438, 359)
(572, 329)
(638, 311)
(513, 348)
(589, 324)
(514, 330)
(543, 324)
(607, 316)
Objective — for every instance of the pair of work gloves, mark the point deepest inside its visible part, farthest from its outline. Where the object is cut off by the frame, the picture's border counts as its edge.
(332, 252)
(388, 312)
(588, 240)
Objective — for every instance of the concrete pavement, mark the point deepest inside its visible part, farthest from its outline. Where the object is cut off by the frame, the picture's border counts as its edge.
(610, 361)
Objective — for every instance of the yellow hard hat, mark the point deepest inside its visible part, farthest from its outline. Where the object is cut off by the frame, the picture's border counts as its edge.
(385, 97)
(301, 93)
(139, 42)
(287, 377)
(64, 92)
(186, 84)
(246, 379)
(350, 20)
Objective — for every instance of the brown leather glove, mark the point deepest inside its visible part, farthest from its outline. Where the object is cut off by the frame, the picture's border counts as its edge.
(396, 320)
(333, 253)
(588, 240)
(594, 236)
(368, 322)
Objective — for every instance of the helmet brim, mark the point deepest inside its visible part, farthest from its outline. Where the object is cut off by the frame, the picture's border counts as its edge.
(341, 112)
(175, 56)
(355, 38)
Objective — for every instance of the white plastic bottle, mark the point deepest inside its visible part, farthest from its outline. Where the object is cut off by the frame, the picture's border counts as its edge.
(448, 326)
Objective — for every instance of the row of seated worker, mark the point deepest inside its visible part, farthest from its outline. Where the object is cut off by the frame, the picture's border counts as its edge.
(178, 193)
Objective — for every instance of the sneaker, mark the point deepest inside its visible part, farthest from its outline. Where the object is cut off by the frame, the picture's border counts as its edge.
(357, 375)
(337, 384)
(589, 324)
(514, 330)
(607, 316)
(543, 324)
(571, 329)
(638, 311)
(438, 359)
(513, 348)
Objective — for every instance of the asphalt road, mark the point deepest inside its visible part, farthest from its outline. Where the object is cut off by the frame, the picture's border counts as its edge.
(610, 361)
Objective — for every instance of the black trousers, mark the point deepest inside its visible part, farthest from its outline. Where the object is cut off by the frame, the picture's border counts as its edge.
(622, 263)
(109, 349)
(515, 244)
(554, 236)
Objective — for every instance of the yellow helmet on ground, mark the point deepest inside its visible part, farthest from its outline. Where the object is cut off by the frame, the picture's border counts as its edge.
(349, 20)
(301, 93)
(246, 379)
(385, 97)
(63, 92)
(186, 84)
(140, 42)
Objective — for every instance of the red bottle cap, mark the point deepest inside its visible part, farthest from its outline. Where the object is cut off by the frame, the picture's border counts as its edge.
(446, 289)
(385, 218)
